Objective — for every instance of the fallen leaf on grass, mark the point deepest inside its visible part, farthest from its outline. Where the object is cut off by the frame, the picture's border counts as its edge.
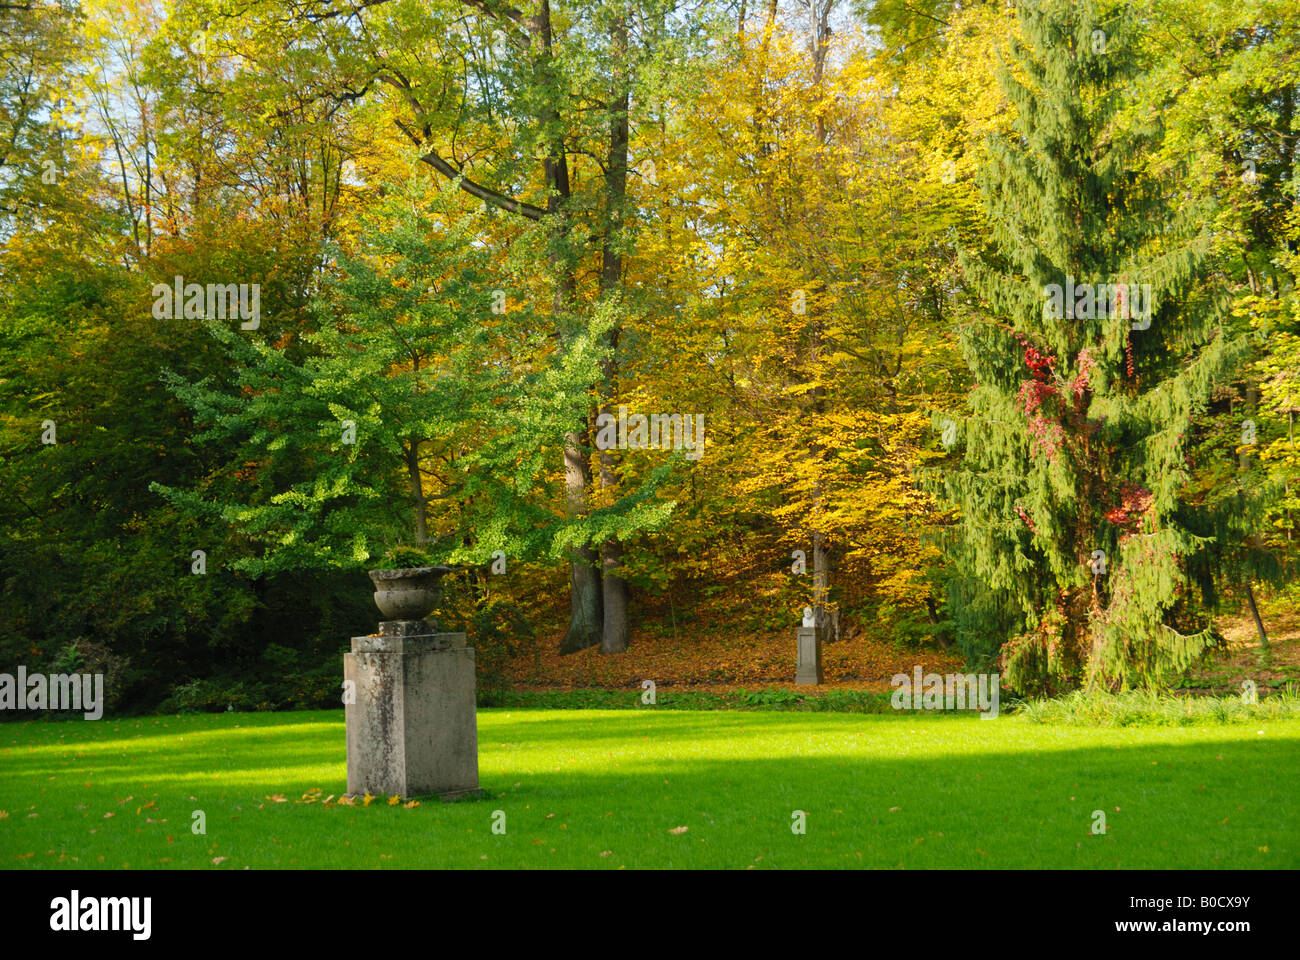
(217, 860)
(679, 829)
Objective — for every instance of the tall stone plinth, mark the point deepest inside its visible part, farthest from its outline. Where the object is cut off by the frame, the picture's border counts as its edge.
(412, 726)
(809, 670)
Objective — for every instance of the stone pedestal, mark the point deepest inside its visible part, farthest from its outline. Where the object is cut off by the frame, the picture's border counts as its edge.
(809, 670)
(412, 729)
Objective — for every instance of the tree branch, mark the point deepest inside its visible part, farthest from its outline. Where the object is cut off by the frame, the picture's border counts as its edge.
(486, 194)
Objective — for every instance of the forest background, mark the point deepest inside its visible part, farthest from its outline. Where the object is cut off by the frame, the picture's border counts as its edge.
(477, 227)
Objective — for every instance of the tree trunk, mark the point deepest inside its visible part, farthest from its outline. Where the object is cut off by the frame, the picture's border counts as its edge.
(584, 579)
(614, 632)
(821, 555)
(417, 493)
(821, 575)
(1254, 612)
(932, 610)
(1252, 401)
(585, 607)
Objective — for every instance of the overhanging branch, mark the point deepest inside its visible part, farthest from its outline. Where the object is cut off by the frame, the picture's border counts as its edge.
(486, 194)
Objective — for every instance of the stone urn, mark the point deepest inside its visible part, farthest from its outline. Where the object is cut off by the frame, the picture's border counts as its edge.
(410, 593)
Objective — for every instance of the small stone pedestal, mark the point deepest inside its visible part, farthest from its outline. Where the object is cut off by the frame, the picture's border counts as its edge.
(809, 671)
(412, 728)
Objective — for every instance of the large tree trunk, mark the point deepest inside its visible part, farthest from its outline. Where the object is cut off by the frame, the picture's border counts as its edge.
(614, 634)
(584, 579)
(585, 605)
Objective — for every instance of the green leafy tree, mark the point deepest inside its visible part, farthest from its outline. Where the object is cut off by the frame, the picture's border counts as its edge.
(420, 411)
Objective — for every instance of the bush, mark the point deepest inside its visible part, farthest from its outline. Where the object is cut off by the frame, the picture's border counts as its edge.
(316, 689)
(84, 656)
(213, 696)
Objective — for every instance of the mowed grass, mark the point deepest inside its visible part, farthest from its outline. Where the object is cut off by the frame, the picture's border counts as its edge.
(605, 789)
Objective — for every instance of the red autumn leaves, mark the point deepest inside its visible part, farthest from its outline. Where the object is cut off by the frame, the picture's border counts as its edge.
(1048, 434)
(1134, 501)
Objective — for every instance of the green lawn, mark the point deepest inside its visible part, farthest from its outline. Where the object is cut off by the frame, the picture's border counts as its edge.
(878, 791)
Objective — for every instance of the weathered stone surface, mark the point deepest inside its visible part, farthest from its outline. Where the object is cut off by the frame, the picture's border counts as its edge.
(809, 670)
(408, 628)
(410, 593)
(412, 729)
(407, 643)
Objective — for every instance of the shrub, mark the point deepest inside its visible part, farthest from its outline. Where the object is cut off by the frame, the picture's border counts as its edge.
(1150, 708)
